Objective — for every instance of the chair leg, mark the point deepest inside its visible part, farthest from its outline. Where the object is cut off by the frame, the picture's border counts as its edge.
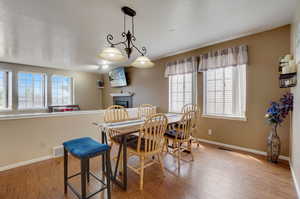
(65, 170)
(121, 162)
(160, 162)
(190, 145)
(178, 156)
(142, 162)
(167, 145)
(83, 178)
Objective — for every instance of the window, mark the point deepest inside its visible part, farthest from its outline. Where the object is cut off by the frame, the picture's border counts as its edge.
(5, 90)
(225, 92)
(182, 90)
(31, 90)
(62, 88)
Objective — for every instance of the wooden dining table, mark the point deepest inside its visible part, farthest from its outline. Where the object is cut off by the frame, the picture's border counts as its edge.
(124, 129)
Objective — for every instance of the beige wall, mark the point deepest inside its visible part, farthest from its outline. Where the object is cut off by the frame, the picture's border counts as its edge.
(27, 139)
(265, 49)
(295, 136)
(87, 95)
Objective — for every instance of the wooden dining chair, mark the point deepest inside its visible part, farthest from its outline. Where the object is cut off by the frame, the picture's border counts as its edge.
(115, 113)
(181, 135)
(146, 110)
(192, 107)
(149, 144)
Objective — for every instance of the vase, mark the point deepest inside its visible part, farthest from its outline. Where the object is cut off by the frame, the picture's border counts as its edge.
(273, 151)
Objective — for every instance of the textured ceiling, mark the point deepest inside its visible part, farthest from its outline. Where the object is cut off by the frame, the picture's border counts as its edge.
(69, 33)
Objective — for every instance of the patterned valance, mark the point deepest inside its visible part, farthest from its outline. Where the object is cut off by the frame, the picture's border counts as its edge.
(183, 66)
(223, 58)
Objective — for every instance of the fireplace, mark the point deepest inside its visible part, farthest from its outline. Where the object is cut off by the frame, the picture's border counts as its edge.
(122, 103)
(125, 101)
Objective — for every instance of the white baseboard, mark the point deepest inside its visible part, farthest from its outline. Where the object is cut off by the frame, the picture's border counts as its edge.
(241, 148)
(295, 182)
(23, 163)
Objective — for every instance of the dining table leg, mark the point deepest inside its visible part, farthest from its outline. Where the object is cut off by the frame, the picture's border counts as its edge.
(125, 162)
(123, 150)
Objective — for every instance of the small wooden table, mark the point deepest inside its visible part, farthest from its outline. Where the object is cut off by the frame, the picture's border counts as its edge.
(124, 129)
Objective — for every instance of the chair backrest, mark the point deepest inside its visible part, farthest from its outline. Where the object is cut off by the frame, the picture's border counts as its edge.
(146, 110)
(186, 125)
(151, 135)
(115, 113)
(190, 107)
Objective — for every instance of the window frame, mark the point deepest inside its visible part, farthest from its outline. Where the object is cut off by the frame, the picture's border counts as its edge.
(8, 80)
(45, 91)
(194, 91)
(224, 116)
(72, 89)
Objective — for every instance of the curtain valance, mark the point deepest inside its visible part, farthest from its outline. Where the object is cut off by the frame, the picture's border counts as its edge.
(223, 58)
(183, 66)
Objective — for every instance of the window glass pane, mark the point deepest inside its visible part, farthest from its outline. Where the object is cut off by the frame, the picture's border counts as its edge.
(3, 90)
(180, 91)
(31, 90)
(225, 91)
(61, 90)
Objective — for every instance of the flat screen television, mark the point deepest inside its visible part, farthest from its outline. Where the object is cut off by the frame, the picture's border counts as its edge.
(117, 77)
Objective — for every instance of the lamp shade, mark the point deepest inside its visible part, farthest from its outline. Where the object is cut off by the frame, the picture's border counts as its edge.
(111, 54)
(142, 62)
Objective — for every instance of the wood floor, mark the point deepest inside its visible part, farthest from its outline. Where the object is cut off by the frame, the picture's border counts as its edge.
(214, 174)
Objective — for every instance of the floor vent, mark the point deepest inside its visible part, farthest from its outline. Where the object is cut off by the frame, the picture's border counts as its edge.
(223, 148)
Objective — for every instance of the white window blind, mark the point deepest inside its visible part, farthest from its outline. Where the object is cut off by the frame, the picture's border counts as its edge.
(5, 89)
(225, 92)
(62, 88)
(182, 90)
(31, 90)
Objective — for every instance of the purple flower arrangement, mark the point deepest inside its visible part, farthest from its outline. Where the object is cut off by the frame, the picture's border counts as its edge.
(278, 111)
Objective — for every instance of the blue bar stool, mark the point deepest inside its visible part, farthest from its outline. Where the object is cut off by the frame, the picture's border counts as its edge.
(84, 149)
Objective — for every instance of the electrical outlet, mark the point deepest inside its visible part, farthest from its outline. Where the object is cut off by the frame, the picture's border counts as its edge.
(209, 132)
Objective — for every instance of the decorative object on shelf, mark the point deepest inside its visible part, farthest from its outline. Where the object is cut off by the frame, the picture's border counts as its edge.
(275, 115)
(288, 72)
(113, 54)
(100, 83)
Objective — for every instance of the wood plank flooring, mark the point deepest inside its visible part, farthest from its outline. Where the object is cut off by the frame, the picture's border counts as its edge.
(214, 174)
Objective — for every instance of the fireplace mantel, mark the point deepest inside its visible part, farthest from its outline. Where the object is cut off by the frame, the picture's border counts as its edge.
(121, 94)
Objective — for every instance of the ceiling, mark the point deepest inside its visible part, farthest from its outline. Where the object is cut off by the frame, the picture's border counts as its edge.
(68, 34)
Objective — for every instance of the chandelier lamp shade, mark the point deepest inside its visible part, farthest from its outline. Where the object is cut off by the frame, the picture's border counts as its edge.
(113, 54)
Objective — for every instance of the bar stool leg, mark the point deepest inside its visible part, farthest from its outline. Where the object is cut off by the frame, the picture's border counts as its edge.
(83, 177)
(108, 173)
(103, 166)
(65, 170)
(88, 170)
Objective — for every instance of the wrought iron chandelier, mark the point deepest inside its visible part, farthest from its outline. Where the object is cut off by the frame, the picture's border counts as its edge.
(113, 54)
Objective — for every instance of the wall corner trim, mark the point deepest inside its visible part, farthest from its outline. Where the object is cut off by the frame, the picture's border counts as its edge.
(240, 148)
(23, 163)
(296, 184)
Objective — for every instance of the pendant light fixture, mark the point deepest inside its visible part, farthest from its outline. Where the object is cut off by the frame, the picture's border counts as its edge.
(113, 54)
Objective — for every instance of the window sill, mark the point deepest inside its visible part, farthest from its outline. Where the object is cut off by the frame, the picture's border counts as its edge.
(226, 117)
(33, 109)
(5, 110)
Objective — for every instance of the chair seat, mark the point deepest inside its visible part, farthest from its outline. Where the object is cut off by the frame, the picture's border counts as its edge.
(173, 133)
(133, 143)
(118, 139)
(85, 147)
